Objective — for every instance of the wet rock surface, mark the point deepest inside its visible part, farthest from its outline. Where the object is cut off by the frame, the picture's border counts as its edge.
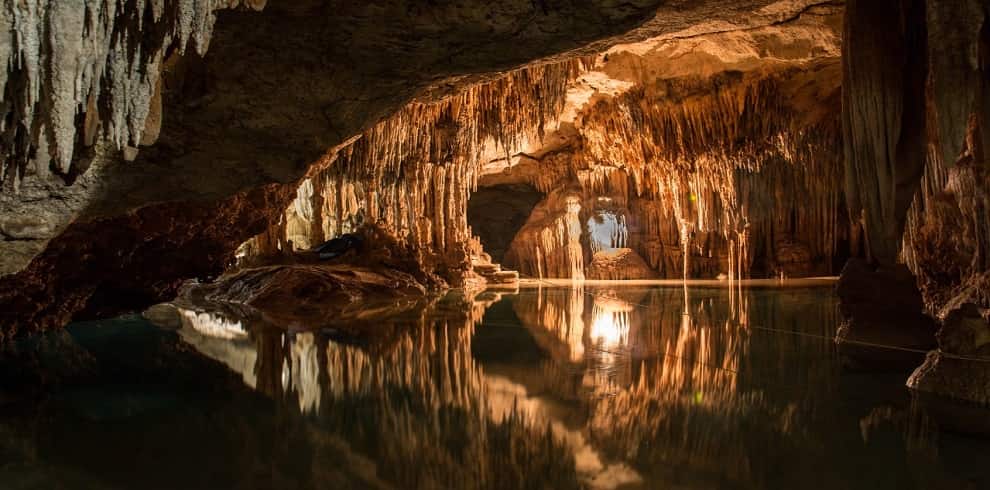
(885, 325)
(306, 296)
(960, 367)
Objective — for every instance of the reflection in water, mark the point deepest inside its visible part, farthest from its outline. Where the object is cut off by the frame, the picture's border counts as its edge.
(597, 386)
(622, 387)
(417, 404)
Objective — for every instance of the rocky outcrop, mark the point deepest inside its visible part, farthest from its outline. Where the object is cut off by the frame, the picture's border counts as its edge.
(884, 322)
(619, 263)
(86, 273)
(960, 368)
(309, 296)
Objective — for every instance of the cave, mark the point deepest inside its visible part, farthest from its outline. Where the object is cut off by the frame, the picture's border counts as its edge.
(494, 245)
(496, 213)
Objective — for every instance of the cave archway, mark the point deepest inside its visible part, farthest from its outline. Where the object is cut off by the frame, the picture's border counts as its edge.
(497, 213)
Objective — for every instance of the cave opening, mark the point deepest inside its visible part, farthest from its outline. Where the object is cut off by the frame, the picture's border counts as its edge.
(497, 213)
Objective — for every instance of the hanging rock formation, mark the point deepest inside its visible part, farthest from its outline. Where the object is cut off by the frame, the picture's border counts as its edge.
(708, 165)
(239, 129)
(412, 173)
(259, 108)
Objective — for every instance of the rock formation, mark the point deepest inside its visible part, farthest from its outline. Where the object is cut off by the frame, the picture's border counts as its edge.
(914, 132)
(284, 100)
(710, 165)
(145, 143)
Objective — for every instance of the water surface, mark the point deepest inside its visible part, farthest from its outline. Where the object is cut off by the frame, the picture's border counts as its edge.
(601, 386)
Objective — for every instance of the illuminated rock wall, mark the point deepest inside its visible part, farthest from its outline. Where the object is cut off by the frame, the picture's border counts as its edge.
(413, 173)
(728, 162)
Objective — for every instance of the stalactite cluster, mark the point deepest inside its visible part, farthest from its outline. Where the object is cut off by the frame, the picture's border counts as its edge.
(736, 166)
(728, 169)
(79, 74)
(412, 174)
(550, 243)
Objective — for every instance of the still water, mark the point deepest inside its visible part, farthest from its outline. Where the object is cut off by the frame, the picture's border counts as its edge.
(603, 386)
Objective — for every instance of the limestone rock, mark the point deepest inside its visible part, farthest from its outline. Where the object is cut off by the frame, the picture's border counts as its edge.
(619, 263)
(306, 296)
(960, 368)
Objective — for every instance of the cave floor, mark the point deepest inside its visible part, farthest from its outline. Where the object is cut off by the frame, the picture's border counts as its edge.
(611, 385)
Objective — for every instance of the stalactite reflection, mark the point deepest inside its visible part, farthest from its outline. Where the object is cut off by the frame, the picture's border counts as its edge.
(623, 385)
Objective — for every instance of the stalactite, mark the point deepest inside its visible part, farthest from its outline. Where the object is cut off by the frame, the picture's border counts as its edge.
(704, 165)
(413, 173)
(76, 73)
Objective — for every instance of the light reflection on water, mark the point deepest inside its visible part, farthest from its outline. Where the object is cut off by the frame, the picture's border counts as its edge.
(641, 385)
(600, 386)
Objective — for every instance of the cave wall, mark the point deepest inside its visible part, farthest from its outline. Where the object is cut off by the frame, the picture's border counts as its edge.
(729, 168)
(947, 234)
(948, 227)
(914, 112)
(720, 145)
(265, 106)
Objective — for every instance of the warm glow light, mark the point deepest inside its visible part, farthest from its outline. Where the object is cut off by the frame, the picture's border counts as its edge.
(610, 324)
(607, 330)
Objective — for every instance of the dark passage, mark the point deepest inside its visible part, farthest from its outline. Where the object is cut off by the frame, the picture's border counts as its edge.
(497, 213)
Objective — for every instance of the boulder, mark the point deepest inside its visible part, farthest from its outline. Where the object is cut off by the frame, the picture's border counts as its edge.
(960, 368)
(619, 264)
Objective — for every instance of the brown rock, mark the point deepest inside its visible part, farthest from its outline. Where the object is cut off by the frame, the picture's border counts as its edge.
(618, 264)
(311, 296)
(960, 368)
(883, 314)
